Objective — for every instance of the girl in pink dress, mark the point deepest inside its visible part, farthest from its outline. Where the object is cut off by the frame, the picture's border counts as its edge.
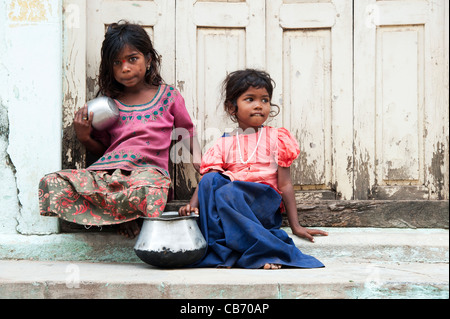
(247, 184)
(130, 178)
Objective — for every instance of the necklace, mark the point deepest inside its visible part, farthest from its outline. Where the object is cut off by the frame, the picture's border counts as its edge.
(254, 152)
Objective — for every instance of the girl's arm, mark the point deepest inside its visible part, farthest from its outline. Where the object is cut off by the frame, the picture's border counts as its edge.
(287, 193)
(192, 207)
(83, 130)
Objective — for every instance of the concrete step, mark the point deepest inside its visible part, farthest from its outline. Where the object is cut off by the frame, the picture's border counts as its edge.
(376, 244)
(359, 263)
(346, 280)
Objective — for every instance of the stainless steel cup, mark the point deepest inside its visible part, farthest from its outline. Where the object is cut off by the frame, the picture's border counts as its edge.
(105, 112)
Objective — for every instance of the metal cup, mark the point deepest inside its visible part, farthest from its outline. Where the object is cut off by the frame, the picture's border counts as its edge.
(105, 112)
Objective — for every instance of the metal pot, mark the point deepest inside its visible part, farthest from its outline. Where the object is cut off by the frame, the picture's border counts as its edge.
(170, 241)
(105, 112)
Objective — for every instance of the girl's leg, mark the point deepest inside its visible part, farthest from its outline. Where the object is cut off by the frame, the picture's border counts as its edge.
(129, 229)
(101, 198)
(241, 224)
(250, 219)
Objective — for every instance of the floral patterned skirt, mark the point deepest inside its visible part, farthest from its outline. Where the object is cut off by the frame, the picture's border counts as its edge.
(102, 197)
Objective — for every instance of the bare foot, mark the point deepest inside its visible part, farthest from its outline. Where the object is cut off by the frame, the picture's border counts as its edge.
(129, 229)
(224, 267)
(272, 266)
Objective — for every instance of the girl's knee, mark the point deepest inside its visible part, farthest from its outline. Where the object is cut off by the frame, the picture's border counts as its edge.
(213, 180)
(208, 177)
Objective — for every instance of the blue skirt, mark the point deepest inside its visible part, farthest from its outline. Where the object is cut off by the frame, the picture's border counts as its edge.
(241, 224)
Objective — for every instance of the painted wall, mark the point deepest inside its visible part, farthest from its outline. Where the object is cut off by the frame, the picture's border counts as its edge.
(30, 110)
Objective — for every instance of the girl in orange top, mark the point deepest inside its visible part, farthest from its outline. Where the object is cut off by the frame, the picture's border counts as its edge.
(246, 182)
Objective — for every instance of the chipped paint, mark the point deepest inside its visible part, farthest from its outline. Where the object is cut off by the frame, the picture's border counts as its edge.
(307, 172)
(180, 86)
(91, 85)
(362, 189)
(401, 173)
(29, 11)
(435, 170)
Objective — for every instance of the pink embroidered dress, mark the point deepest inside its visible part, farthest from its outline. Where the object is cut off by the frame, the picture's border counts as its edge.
(276, 147)
(143, 133)
(130, 180)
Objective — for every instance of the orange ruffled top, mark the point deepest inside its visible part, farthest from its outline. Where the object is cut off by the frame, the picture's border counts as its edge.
(276, 147)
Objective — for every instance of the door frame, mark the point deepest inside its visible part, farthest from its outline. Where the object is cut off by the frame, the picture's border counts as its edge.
(335, 16)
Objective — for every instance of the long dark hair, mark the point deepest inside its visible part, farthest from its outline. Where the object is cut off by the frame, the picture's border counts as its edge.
(237, 82)
(117, 37)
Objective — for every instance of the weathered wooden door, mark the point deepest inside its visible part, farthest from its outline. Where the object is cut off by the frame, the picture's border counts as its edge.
(309, 53)
(400, 112)
(362, 84)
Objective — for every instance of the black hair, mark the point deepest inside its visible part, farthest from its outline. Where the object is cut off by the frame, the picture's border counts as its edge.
(117, 36)
(237, 82)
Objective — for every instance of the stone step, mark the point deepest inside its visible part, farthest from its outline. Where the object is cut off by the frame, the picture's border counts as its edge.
(359, 263)
(343, 280)
(375, 244)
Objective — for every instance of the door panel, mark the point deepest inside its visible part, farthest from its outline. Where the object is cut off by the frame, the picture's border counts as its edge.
(214, 38)
(399, 107)
(397, 98)
(213, 45)
(309, 54)
(310, 123)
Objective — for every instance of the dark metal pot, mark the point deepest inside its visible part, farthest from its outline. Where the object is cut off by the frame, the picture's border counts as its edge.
(170, 241)
(105, 112)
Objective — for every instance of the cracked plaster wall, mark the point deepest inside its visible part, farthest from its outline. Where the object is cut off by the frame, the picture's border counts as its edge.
(30, 110)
